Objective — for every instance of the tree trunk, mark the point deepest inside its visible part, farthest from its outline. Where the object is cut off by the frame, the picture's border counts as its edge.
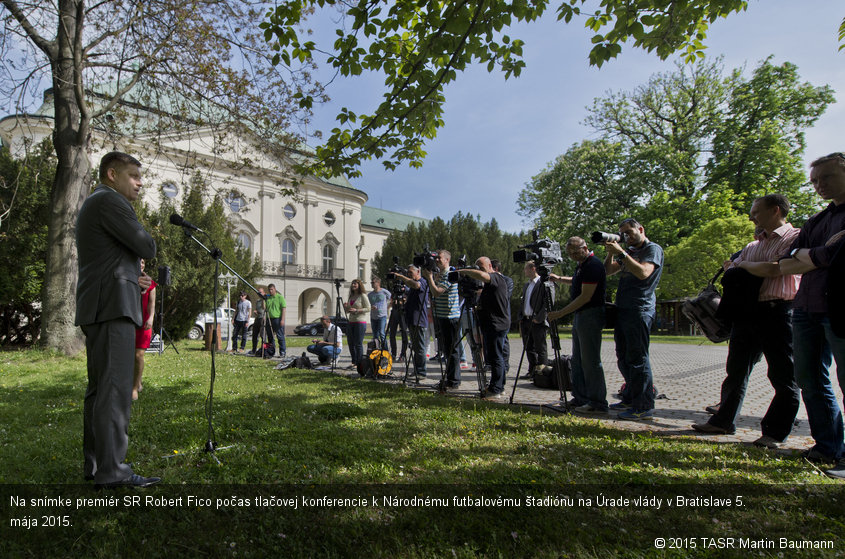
(70, 139)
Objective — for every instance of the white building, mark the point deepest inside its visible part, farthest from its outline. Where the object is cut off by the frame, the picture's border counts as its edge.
(306, 238)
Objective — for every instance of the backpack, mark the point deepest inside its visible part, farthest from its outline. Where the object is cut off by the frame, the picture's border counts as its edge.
(546, 377)
(301, 362)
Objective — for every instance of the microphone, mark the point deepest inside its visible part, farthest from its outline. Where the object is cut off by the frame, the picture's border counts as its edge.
(177, 219)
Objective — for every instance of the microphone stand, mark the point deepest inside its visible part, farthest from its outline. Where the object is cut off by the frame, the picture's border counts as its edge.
(216, 254)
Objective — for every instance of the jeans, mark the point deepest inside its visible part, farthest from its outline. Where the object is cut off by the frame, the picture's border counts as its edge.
(325, 353)
(256, 333)
(379, 325)
(418, 343)
(240, 330)
(450, 334)
(588, 385)
(279, 329)
(767, 332)
(397, 320)
(494, 354)
(816, 346)
(355, 336)
(632, 336)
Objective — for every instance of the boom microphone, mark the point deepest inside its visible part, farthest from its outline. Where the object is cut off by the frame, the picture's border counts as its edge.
(177, 219)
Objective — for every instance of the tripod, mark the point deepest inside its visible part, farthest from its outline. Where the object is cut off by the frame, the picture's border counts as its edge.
(338, 312)
(473, 334)
(413, 351)
(563, 405)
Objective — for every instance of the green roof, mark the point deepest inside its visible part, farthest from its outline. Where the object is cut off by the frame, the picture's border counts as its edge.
(383, 219)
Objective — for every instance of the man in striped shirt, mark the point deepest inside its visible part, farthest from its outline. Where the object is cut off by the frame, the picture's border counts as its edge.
(447, 315)
(767, 330)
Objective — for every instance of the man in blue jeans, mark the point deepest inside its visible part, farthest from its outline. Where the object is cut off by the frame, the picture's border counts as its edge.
(640, 267)
(379, 303)
(587, 303)
(332, 343)
(817, 308)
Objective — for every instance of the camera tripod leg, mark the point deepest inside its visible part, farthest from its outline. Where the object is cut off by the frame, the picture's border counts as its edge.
(516, 376)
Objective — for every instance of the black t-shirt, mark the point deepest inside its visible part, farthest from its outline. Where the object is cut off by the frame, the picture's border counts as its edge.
(590, 271)
(493, 307)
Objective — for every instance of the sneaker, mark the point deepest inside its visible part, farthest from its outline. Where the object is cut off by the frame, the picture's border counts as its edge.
(490, 395)
(814, 455)
(589, 409)
(634, 415)
(620, 406)
(464, 365)
(768, 442)
(838, 471)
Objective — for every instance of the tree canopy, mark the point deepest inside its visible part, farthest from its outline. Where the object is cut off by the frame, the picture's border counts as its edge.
(121, 71)
(421, 46)
(688, 147)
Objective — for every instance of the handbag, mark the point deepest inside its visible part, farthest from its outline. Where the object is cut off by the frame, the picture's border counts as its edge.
(702, 309)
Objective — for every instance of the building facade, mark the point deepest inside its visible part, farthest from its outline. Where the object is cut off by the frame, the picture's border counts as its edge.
(308, 231)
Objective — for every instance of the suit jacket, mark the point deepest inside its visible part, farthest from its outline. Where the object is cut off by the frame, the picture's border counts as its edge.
(538, 310)
(110, 243)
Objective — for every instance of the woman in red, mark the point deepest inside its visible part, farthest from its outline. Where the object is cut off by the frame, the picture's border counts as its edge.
(144, 334)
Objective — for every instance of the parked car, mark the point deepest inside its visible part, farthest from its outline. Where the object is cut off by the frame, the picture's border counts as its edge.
(223, 316)
(315, 327)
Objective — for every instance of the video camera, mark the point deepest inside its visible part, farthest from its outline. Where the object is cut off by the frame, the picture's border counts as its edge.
(426, 260)
(467, 286)
(545, 253)
(397, 286)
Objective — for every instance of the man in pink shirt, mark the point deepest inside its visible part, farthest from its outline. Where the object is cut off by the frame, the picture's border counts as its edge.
(766, 330)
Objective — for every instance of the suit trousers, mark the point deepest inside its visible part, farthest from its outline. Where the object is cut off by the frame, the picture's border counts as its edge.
(534, 340)
(108, 399)
(768, 331)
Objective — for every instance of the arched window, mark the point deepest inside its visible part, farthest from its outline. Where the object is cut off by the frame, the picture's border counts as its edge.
(288, 251)
(328, 259)
(244, 240)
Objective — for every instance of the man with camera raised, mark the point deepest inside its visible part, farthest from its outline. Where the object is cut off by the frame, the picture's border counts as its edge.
(640, 266)
(447, 315)
(494, 320)
(416, 315)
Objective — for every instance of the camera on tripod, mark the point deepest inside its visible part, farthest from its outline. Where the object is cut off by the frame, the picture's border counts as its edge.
(426, 260)
(545, 253)
(467, 287)
(397, 286)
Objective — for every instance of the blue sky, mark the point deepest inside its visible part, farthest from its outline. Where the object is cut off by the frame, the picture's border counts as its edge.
(498, 133)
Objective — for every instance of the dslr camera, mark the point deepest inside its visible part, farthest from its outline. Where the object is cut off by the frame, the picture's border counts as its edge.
(602, 237)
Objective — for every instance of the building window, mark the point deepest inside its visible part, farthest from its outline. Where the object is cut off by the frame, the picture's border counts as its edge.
(170, 189)
(288, 252)
(362, 268)
(235, 202)
(329, 218)
(244, 240)
(289, 211)
(328, 259)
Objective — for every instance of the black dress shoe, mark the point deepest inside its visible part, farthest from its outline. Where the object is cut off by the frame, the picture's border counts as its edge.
(89, 477)
(132, 481)
(711, 429)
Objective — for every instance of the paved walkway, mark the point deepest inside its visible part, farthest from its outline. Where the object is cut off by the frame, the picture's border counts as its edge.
(690, 377)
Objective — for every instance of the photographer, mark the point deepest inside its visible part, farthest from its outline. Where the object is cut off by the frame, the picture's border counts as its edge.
(586, 293)
(416, 315)
(447, 314)
(640, 266)
(494, 320)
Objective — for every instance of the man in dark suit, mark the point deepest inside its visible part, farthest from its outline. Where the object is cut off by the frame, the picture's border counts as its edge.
(110, 242)
(533, 323)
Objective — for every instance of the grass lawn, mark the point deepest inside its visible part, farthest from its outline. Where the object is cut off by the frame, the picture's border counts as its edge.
(412, 474)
